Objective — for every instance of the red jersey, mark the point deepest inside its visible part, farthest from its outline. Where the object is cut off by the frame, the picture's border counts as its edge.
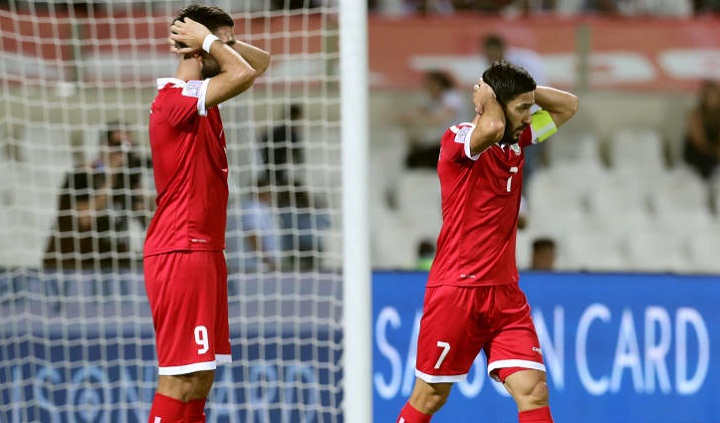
(480, 204)
(191, 170)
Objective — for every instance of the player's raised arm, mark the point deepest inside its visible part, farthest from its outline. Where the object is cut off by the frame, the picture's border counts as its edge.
(257, 58)
(561, 105)
(489, 121)
(235, 74)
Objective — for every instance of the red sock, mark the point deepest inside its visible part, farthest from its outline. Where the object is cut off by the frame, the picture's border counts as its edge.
(195, 411)
(410, 415)
(166, 410)
(536, 415)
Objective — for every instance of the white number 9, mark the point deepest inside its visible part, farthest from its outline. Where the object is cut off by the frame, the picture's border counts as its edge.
(201, 338)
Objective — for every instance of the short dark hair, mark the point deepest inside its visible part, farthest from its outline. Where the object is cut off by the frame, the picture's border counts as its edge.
(541, 243)
(211, 16)
(493, 40)
(508, 81)
(426, 247)
(442, 78)
(112, 128)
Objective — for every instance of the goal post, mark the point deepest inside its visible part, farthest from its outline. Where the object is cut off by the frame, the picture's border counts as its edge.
(357, 353)
(76, 340)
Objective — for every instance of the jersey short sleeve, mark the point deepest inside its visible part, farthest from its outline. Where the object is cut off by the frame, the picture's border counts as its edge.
(185, 101)
(456, 142)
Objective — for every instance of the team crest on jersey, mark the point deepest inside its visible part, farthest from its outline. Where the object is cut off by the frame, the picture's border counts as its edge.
(515, 148)
(192, 89)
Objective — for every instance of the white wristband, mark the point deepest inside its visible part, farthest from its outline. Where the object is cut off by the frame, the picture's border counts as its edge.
(207, 42)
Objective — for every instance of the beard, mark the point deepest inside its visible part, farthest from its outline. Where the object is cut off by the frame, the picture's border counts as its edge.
(509, 135)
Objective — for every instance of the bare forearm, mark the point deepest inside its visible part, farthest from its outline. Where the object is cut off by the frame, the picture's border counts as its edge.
(231, 61)
(257, 58)
(561, 105)
(489, 127)
(236, 75)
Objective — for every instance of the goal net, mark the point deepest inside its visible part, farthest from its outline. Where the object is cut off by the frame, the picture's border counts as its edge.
(76, 340)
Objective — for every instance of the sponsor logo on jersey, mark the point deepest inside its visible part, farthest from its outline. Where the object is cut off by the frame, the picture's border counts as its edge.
(537, 350)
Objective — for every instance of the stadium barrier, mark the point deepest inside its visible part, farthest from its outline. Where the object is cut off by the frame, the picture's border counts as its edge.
(286, 366)
(618, 348)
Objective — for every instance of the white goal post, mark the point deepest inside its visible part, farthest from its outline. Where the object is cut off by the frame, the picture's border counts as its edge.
(357, 353)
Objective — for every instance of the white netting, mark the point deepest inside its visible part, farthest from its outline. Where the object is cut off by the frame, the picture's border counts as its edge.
(76, 340)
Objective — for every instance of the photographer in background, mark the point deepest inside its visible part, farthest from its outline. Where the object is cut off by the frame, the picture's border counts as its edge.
(95, 205)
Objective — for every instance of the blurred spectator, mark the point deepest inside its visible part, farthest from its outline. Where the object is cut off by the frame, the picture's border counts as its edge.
(129, 201)
(280, 149)
(706, 6)
(425, 7)
(702, 131)
(425, 255)
(94, 208)
(294, 4)
(530, 7)
(677, 8)
(425, 125)
(493, 48)
(303, 219)
(482, 6)
(253, 234)
(543, 254)
(606, 7)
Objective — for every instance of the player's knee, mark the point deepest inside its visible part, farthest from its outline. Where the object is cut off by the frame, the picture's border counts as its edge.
(201, 384)
(186, 387)
(434, 402)
(429, 398)
(536, 396)
(175, 386)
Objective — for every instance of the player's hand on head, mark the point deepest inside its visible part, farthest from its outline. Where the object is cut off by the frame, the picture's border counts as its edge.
(482, 93)
(187, 36)
(487, 92)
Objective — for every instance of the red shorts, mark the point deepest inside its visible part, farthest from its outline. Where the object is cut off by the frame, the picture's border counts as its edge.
(458, 322)
(187, 292)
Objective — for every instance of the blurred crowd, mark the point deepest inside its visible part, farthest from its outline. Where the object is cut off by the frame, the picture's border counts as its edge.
(677, 8)
(669, 8)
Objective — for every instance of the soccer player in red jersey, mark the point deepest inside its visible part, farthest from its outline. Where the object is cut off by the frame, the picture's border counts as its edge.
(472, 298)
(184, 265)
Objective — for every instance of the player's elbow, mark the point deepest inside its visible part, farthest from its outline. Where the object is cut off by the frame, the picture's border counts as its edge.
(569, 109)
(241, 79)
(573, 104)
(263, 63)
(244, 76)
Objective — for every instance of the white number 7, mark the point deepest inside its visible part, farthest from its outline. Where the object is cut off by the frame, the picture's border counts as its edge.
(446, 349)
(513, 169)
